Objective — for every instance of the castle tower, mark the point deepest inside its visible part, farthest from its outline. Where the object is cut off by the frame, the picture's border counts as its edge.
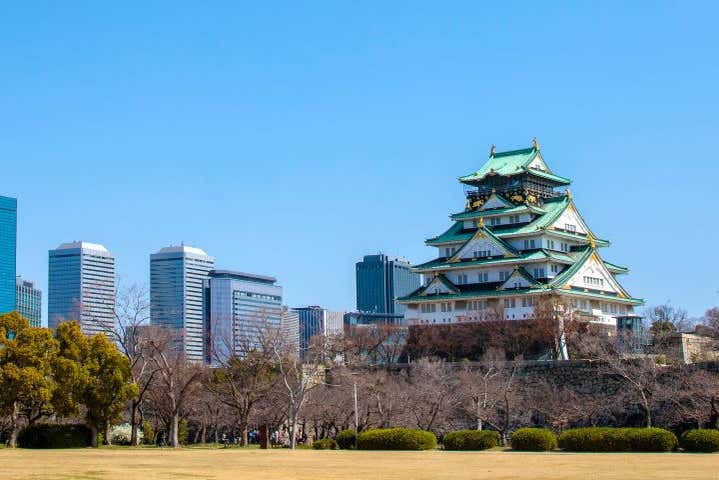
(519, 238)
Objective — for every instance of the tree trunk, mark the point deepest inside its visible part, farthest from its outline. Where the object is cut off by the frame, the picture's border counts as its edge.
(134, 414)
(15, 427)
(174, 431)
(293, 428)
(204, 434)
(107, 440)
(93, 436)
(245, 435)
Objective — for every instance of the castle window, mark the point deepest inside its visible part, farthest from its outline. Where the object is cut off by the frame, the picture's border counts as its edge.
(509, 303)
(550, 244)
(495, 220)
(504, 275)
(483, 277)
(570, 227)
(529, 244)
(514, 219)
(564, 247)
(554, 268)
(539, 273)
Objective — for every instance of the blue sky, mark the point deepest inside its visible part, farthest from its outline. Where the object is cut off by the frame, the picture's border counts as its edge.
(292, 138)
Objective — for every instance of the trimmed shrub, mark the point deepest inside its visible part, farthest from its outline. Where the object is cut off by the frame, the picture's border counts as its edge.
(533, 440)
(54, 436)
(608, 439)
(347, 439)
(396, 439)
(148, 433)
(700, 440)
(471, 440)
(324, 444)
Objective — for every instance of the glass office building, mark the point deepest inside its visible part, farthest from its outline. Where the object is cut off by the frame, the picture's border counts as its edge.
(8, 244)
(381, 280)
(316, 321)
(81, 286)
(177, 274)
(241, 308)
(28, 301)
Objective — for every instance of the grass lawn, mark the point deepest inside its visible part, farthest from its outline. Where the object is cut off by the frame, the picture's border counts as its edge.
(152, 463)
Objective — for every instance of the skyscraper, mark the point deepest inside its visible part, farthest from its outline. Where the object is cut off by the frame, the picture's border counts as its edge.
(290, 326)
(240, 309)
(81, 286)
(28, 301)
(177, 274)
(315, 321)
(8, 240)
(381, 280)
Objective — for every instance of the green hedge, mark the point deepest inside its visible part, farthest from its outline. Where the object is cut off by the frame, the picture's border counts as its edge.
(700, 440)
(324, 444)
(54, 436)
(608, 439)
(471, 440)
(347, 439)
(533, 440)
(396, 439)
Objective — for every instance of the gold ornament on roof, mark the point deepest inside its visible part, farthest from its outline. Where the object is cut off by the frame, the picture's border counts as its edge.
(531, 199)
(569, 194)
(491, 151)
(535, 143)
(480, 223)
(517, 198)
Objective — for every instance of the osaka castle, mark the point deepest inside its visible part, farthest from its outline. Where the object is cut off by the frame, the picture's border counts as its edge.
(519, 238)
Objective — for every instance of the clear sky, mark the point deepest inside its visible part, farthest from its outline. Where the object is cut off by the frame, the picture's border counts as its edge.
(293, 138)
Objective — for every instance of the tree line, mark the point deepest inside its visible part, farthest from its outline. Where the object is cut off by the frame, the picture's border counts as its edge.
(134, 373)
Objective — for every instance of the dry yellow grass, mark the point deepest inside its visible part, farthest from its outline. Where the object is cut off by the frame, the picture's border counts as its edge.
(151, 464)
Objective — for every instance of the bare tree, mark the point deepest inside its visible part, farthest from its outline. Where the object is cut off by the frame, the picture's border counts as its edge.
(247, 375)
(433, 393)
(299, 378)
(176, 380)
(646, 380)
(132, 333)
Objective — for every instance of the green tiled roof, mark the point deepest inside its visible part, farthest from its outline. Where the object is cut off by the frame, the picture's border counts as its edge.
(496, 212)
(453, 234)
(536, 255)
(512, 163)
(614, 268)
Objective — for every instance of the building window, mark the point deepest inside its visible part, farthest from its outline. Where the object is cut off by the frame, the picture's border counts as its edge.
(504, 275)
(495, 221)
(446, 306)
(554, 268)
(594, 281)
(527, 302)
(550, 244)
(509, 303)
(514, 219)
(446, 252)
(539, 273)
(529, 244)
(461, 279)
(570, 227)
(564, 247)
(483, 277)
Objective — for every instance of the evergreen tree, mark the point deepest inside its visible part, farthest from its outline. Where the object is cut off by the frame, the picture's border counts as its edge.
(26, 360)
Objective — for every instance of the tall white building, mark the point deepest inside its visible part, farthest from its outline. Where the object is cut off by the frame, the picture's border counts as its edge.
(81, 286)
(177, 274)
(519, 238)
